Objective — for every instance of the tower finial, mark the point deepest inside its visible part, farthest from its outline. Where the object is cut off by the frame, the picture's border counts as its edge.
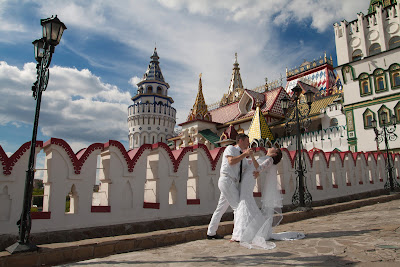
(236, 57)
(200, 75)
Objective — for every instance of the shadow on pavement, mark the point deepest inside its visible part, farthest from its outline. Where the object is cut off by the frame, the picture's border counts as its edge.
(339, 233)
(274, 258)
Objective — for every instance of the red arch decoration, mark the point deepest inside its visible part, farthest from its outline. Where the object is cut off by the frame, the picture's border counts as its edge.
(79, 159)
(132, 156)
(9, 162)
(175, 156)
(212, 155)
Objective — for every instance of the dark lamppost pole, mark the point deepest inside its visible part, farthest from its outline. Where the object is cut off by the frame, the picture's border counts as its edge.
(387, 134)
(53, 29)
(302, 199)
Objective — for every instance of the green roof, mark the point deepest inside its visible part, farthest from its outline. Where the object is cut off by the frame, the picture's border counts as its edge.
(210, 136)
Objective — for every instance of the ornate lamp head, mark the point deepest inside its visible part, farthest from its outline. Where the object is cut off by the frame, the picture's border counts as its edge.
(53, 29)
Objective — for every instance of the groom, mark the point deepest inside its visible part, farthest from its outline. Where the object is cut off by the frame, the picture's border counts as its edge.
(228, 183)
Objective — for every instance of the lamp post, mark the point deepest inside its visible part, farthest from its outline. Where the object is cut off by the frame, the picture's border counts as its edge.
(53, 29)
(298, 114)
(387, 134)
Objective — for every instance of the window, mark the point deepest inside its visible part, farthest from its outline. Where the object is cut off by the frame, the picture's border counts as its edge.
(394, 42)
(380, 80)
(388, 116)
(396, 79)
(249, 105)
(159, 90)
(368, 116)
(150, 90)
(357, 55)
(397, 112)
(381, 85)
(394, 72)
(365, 88)
(374, 49)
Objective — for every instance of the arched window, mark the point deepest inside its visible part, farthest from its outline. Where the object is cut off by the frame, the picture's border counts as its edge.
(374, 49)
(394, 71)
(357, 55)
(159, 90)
(394, 42)
(368, 116)
(150, 89)
(396, 79)
(380, 80)
(381, 85)
(334, 122)
(365, 88)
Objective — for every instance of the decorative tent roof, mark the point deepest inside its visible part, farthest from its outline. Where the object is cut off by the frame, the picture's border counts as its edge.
(230, 133)
(199, 110)
(259, 128)
(231, 112)
(236, 80)
(153, 72)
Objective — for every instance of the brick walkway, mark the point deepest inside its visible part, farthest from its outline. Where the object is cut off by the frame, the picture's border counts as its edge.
(366, 236)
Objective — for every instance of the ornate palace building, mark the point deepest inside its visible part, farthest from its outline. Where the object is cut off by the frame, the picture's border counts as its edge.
(368, 55)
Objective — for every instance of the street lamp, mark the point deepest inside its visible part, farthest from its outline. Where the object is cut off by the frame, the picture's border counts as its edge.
(53, 29)
(302, 199)
(387, 134)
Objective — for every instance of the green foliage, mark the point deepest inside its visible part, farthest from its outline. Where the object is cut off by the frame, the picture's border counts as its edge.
(34, 209)
(37, 191)
(67, 203)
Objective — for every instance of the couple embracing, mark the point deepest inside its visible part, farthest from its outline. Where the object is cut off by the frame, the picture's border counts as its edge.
(239, 170)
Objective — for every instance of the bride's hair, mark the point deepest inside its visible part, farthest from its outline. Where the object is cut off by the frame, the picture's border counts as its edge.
(277, 158)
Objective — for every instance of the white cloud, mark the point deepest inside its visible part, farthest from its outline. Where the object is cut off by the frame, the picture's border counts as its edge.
(76, 106)
(134, 81)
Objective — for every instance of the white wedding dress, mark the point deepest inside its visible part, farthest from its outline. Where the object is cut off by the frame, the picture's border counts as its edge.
(253, 226)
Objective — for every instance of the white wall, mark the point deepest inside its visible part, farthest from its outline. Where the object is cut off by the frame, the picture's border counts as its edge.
(124, 178)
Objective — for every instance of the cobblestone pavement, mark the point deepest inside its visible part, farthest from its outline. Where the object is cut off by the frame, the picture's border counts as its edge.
(367, 236)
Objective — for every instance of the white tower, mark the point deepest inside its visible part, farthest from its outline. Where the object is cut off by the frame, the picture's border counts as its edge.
(151, 118)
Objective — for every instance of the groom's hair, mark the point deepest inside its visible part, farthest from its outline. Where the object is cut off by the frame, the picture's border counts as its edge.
(277, 158)
(241, 136)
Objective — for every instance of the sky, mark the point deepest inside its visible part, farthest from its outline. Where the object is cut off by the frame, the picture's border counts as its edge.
(107, 47)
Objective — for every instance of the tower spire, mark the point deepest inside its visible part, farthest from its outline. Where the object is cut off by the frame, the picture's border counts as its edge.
(199, 110)
(236, 80)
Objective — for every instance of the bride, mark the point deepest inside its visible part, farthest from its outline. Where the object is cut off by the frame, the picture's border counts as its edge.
(253, 227)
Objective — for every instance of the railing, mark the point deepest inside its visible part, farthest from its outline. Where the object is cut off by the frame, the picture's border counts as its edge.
(326, 139)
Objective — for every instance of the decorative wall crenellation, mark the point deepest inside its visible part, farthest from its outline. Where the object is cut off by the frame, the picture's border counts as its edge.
(152, 182)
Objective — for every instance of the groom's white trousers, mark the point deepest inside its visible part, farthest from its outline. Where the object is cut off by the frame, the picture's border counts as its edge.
(229, 197)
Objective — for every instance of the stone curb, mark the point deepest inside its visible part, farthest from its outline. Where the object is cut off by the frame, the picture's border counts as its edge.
(61, 253)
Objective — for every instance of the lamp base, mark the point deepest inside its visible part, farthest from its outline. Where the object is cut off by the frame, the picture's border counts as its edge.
(302, 209)
(21, 247)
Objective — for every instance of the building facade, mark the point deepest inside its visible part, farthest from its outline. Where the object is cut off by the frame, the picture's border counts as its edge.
(151, 117)
(368, 55)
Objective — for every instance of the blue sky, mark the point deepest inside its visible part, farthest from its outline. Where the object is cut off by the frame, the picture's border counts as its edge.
(106, 49)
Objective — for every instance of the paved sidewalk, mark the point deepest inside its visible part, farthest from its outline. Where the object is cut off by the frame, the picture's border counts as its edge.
(366, 236)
